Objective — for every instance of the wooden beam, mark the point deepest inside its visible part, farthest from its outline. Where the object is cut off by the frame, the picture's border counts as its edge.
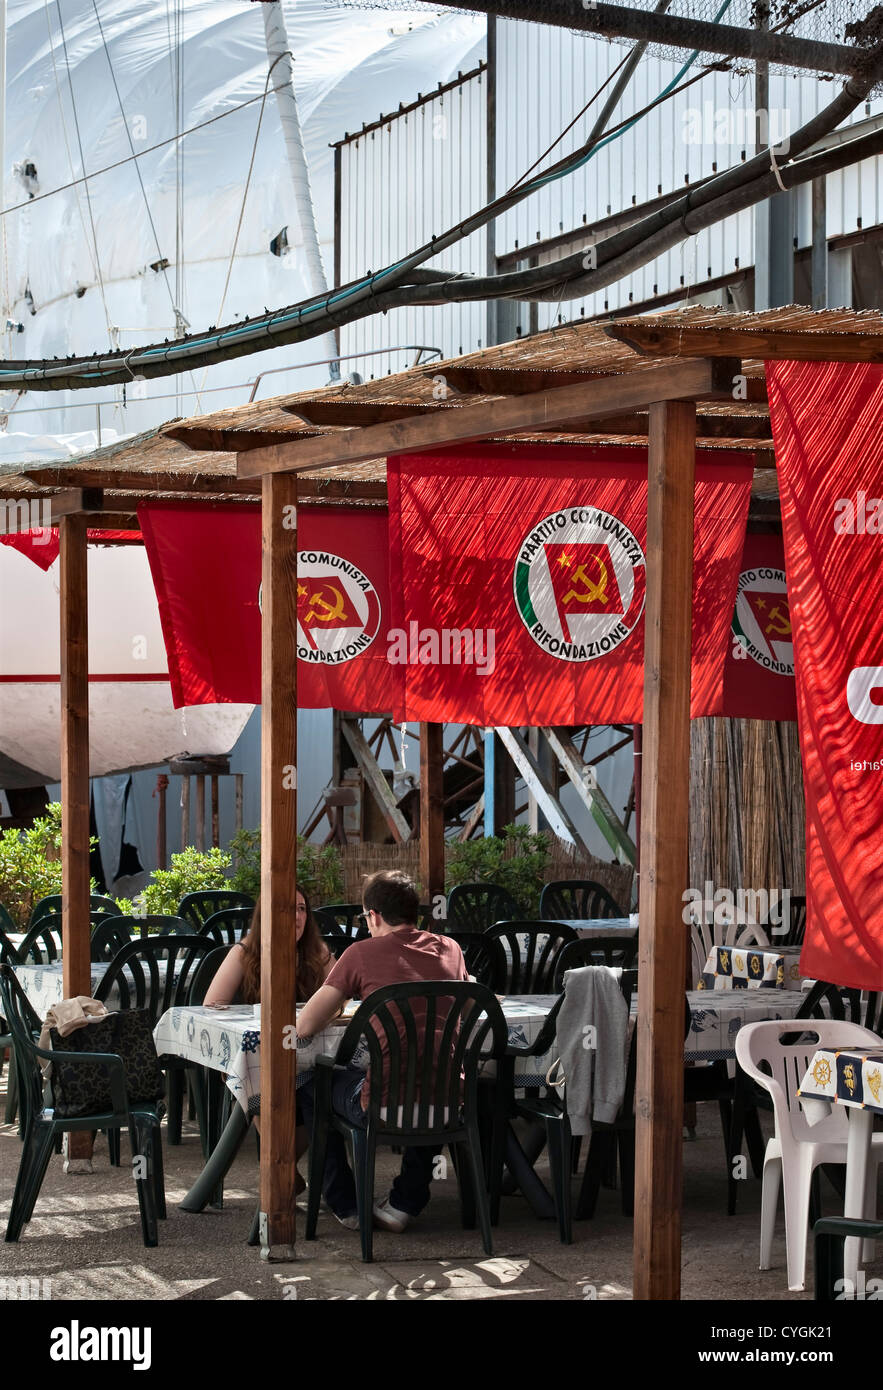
(76, 500)
(708, 426)
(357, 413)
(370, 769)
(583, 778)
(544, 410)
(432, 811)
(149, 487)
(540, 787)
(278, 860)
(664, 842)
(74, 693)
(761, 344)
(221, 441)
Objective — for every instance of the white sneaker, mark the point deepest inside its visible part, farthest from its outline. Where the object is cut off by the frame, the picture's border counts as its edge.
(389, 1218)
(350, 1222)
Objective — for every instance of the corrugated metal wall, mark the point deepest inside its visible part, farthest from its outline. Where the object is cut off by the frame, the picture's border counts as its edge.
(545, 76)
(422, 170)
(413, 177)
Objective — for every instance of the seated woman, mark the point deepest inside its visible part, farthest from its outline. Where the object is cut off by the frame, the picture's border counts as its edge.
(239, 978)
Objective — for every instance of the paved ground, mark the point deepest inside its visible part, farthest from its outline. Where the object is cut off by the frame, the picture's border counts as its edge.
(85, 1238)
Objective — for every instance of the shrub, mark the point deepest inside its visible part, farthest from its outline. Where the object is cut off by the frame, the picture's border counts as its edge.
(30, 864)
(319, 867)
(191, 871)
(515, 860)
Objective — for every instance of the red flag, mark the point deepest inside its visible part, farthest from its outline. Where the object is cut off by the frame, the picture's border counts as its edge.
(206, 566)
(827, 423)
(517, 578)
(759, 674)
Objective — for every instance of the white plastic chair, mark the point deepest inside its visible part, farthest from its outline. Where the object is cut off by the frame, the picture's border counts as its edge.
(796, 1150)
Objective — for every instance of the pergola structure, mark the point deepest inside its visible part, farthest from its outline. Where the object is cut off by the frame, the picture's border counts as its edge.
(674, 382)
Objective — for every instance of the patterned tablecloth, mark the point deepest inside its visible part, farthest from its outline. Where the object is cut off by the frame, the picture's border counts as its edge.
(843, 1076)
(44, 984)
(601, 926)
(748, 967)
(229, 1039)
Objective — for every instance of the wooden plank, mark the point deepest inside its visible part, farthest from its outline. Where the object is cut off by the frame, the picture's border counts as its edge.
(216, 827)
(278, 860)
(540, 788)
(760, 344)
(185, 812)
(476, 815)
(200, 813)
(432, 811)
(544, 410)
(591, 795)
(664, 848)
(358, 412)
(74, 692)
(77, 500)
(230, 441)
(382, 791)
(180, 485)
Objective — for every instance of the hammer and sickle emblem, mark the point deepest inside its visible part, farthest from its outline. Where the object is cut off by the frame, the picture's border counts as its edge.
(594, 593)
(332, 611)
(779, 624)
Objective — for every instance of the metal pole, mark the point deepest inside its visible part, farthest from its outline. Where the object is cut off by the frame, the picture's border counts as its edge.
(279, 58)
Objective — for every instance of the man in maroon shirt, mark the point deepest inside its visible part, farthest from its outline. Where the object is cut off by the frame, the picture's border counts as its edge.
(397, 953)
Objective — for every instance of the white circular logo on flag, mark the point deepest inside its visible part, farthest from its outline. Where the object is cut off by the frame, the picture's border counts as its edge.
(338, 608)
(762, 620)
(580, 583)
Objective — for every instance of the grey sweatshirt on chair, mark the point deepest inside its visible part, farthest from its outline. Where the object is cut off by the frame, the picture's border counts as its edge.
(595, 1075)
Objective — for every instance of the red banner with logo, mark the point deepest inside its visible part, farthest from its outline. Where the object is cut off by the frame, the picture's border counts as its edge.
(759, 674)
(517, 579)
(827, 423)
(206, 567)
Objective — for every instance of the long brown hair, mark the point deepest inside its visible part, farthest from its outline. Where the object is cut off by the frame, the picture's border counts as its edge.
(312, 956)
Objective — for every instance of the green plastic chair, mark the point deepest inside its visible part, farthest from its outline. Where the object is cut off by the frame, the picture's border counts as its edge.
(163, 924)
(43, 1129)
(461, 1025)
(228, 926)
(157, 974)
(569, 898)
(531, 950)
(477, 906)
(198, 907)
(50, 906)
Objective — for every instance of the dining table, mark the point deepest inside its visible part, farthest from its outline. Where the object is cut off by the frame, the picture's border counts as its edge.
(227, 1039)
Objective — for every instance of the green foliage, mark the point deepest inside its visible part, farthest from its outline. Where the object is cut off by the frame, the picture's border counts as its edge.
(319, 868)
(30, 864)
(515, 860)
(319, 872)
(246, 850)
(191, 871)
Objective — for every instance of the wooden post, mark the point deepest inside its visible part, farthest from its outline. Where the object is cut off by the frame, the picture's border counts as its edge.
(216, 828)
(432, 811)
(237, 820)
(278, 860)
(74, 755)
(74, 690)
(162, 783)
(200, 813)
(185, 811)
(665, 793)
